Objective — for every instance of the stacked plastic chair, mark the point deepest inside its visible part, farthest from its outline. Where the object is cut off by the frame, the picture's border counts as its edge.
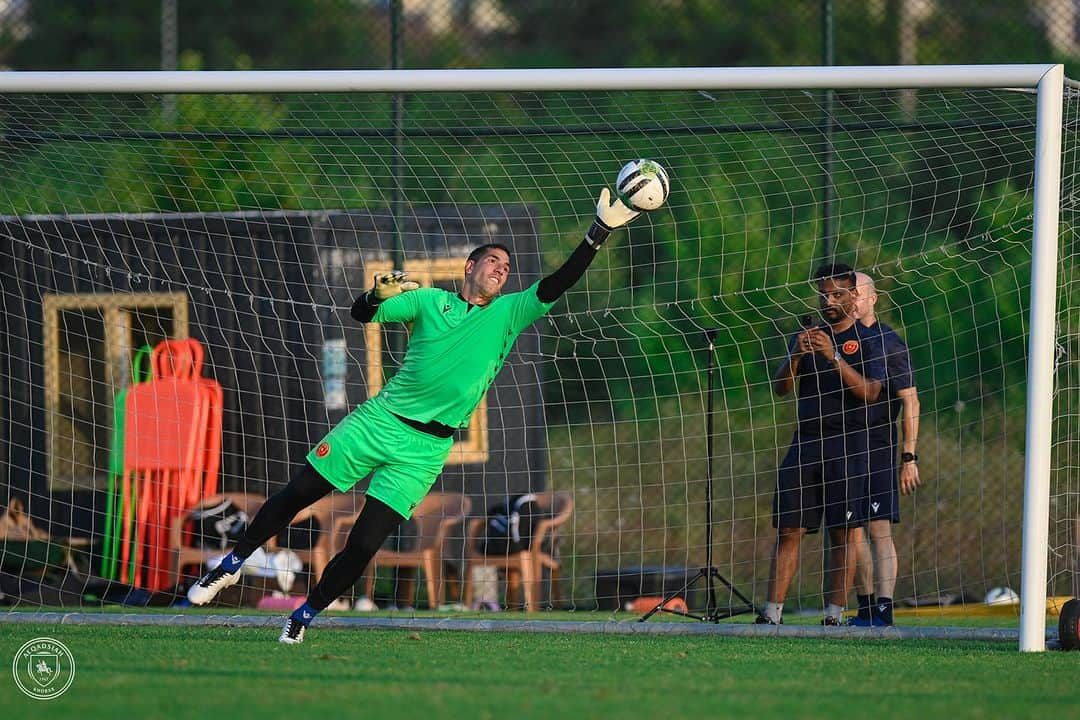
(172, 455)
(110, 546)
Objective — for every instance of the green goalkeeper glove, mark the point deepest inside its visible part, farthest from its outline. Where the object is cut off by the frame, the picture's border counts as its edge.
(388, 285)
(609, 216)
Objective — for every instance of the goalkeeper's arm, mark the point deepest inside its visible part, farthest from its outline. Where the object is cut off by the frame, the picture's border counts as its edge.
(609, 216)
(387, 285)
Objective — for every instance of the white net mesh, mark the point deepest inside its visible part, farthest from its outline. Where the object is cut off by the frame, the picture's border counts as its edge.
(250, 222)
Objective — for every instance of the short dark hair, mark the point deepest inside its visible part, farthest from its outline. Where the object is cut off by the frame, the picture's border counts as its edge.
(835, 271)
(482, 250)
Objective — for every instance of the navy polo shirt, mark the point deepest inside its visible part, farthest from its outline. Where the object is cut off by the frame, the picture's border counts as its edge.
(898, 376)
(826, 407)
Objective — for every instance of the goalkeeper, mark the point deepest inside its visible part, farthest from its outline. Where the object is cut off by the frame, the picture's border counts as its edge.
(457, 345)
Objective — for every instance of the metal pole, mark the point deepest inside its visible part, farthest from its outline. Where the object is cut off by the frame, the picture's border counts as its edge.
(1040, 376)
(397, 199)
(828, 192)
(710, 594)
(169, 46)
(517, 80)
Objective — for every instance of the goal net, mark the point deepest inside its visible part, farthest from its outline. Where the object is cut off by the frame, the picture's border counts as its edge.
(247, 221)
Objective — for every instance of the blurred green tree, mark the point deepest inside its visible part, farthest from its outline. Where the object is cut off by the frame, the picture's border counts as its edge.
(126, 35)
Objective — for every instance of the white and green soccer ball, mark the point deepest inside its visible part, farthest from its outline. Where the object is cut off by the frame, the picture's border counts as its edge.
(643, 184)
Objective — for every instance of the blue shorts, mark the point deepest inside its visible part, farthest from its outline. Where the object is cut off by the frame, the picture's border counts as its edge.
(822, 478)
(884, 495)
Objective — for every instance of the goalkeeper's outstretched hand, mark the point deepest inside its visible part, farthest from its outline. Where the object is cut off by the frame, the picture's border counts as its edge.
(609, 216)
(387, 285)
(613, 214)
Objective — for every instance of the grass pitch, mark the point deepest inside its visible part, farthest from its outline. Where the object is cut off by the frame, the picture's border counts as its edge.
(199, 672)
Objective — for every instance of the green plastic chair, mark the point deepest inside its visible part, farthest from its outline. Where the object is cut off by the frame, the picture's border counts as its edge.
(110, 550)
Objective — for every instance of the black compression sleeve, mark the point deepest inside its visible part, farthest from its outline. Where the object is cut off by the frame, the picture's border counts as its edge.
(306, 487)
(558, 282)
(363, 308)
(377, 520)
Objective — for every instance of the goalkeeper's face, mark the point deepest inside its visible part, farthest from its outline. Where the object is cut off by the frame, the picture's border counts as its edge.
(486, 275)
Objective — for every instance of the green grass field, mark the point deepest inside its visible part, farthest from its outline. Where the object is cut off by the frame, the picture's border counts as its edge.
(179, 672)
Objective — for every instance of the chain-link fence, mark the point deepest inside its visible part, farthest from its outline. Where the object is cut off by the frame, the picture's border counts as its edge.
(318, 34)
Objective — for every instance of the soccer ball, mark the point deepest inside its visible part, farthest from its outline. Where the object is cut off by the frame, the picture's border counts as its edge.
(643, 184)
(1001, 596)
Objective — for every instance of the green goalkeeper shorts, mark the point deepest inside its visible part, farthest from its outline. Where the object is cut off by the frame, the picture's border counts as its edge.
(406, 461)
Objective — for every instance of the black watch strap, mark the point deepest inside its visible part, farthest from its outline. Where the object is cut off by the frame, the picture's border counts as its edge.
(908, 457)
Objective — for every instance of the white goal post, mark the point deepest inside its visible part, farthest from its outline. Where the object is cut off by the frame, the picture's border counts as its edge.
(1047, 81)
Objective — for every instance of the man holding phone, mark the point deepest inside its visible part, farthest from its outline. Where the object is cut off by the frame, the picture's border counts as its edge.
(837, 372)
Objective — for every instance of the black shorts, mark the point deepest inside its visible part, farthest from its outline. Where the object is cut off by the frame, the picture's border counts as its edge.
(822, 477)
(884, 495)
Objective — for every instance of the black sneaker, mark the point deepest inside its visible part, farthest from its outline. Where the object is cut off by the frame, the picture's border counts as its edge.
(831, 622)
(210, 585)
(293, 632)
(762, 620)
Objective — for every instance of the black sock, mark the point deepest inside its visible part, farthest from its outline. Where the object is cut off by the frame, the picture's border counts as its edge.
(883, 610)
(865, 603)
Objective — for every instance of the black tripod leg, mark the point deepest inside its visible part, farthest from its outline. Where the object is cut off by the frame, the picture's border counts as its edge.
(749, 604)
(712, 608)
(748, 601)
(660, 605)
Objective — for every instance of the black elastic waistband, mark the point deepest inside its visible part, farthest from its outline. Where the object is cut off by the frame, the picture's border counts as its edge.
(431, 428)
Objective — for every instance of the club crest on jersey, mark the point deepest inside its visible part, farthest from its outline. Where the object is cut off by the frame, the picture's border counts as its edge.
(850, 347)
(323, 450)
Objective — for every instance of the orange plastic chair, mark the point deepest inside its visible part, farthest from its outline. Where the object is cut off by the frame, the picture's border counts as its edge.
(172, 448)
(163, 443)
(435, 517)
(184, 553)
(204, 481)
(181, 360)
(526, 567)
(212, 445)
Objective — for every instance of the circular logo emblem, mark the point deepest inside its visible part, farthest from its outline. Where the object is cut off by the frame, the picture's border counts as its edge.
(850, 346)
(43, 668)
(323, 450)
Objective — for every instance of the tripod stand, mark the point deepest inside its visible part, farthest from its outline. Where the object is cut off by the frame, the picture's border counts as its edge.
(712, 613)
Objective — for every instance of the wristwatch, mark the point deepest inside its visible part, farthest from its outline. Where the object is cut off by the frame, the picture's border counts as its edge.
(907, 457)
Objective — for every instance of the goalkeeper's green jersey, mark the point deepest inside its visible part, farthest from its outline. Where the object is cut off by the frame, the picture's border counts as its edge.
(455, 350)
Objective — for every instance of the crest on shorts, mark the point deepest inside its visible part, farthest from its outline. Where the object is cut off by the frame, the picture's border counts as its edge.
(850, 347)
(323, 450)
